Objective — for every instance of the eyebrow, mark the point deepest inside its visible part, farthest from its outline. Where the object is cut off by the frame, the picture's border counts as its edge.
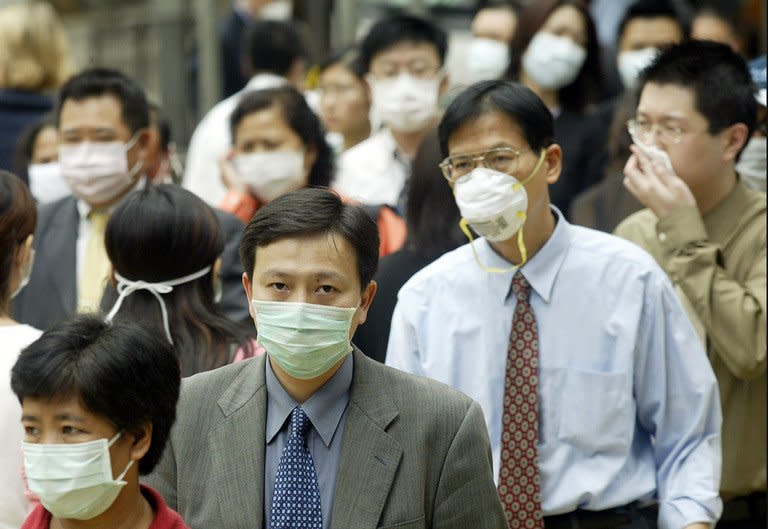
(323, 274)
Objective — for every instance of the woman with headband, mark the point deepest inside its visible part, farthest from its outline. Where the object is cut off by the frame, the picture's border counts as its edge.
(164, 244)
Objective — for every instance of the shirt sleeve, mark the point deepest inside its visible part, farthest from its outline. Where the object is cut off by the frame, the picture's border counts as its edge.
(403, 347)
(678, 403)
(733, 312)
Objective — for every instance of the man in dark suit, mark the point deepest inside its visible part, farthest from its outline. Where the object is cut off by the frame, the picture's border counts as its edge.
(370, 446)
(102, 118)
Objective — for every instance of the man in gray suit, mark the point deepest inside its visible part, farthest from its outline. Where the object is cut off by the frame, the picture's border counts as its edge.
(102, 118)
(370, 446)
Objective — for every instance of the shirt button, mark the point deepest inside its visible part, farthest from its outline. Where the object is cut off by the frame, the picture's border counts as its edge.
(662, 236)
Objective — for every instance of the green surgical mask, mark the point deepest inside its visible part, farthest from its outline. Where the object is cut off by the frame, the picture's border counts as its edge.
(305, 340)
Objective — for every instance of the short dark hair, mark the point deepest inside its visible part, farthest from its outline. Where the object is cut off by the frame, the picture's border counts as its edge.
(401, 28)
(586, 87)
(273, 46)
(312, 211)
(349, 57)
(724, 92)
(18, 217)
(299, 118)
(164, 232)
(120, 372)
(515, 100)
(650, 9)
(97, 82)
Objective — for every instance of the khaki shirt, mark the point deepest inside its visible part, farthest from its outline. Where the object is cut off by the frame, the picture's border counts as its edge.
(718, 263)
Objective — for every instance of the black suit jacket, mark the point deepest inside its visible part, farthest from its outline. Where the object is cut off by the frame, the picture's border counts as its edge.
(51, 294)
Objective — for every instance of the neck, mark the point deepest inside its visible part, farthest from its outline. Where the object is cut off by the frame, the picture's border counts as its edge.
(408, 143)
(549, 97)
(533, 238)
(715, 191)
(353, 138)
(301, 389)
(131, 510)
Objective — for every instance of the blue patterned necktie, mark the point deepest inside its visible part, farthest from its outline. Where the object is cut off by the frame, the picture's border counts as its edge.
(296, 497)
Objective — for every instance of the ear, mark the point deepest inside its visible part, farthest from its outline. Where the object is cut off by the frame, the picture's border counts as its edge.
(142, 440)
(23, 252)
(310, 156)
(112, 278)
(553, 163)
(297, 73)
(734, 138)
(247, 288)
(216, 268)
(366, 299)
(444, 84)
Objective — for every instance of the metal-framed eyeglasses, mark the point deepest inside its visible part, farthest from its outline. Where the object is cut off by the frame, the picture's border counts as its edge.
(502, 159)
(643, 130)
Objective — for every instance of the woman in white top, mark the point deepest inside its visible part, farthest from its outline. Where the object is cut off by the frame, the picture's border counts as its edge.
(18, 215)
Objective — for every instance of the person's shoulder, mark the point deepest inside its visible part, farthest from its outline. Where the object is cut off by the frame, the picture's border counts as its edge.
(229, 222)
(203, 390)
(165, 517)
(38, 518)
(603, 248)
(451, 267)
(638, 226)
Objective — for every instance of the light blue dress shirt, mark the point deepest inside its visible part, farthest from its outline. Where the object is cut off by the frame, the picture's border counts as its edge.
(629, 406)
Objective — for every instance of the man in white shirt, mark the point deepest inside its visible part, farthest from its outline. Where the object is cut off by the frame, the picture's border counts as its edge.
(601, 406)
(276, 56)
(404, 57)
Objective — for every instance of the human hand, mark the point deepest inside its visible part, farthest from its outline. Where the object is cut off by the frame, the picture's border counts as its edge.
(229, 175)
(655, 184)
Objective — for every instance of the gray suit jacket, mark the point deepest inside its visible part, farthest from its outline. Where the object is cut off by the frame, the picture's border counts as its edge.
(414, 454)
(51, 294)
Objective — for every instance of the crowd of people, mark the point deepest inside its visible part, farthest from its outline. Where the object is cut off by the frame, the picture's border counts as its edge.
(386, 295)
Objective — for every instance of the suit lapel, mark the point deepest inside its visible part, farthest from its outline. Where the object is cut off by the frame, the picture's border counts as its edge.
(61, 239)
(369, 456)
(238, 445)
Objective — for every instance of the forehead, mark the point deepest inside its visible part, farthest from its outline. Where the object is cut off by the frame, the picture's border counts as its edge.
(405, 52)
(655, 31)
(104, 111)
(494, 22)
(566, 17)
(338, 72)
(265, 121)
(487, 131)
(668, 100)
(60, 405)
(308, 255)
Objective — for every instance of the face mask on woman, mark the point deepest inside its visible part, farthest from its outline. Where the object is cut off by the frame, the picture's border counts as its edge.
(552, 61)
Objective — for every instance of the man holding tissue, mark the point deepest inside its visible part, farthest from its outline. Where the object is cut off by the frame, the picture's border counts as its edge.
(602, 409)
(315, 435)
(706, 229)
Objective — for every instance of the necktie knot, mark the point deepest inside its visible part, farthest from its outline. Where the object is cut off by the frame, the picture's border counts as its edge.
(98, 219)
(521, 287)
(300, 423)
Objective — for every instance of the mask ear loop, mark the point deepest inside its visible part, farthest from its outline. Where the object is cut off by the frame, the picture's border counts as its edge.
(464, 225)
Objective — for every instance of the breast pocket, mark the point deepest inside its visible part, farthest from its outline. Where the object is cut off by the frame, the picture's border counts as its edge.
(597, 411)
(418, 523)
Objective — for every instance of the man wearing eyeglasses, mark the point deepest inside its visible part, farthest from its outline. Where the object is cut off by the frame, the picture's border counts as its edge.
(707, 230)
(602, 409)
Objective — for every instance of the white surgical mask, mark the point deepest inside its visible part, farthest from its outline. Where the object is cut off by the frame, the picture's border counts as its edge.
(305, 340)
(272, 173)
(487, 59)
(752, 164)
(631, 63)
(126, 287)
(495, 205)
(552, 61)
(27, 274)
(46, 182)
(276, 10)
(73, 481)
(405, 103)
(97, 172)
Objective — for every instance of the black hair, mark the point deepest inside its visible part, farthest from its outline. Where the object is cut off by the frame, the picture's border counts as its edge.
(96, 82)
(586, 87)
(402, 28)
(121, 372)
(651, 9)
(25, 145)
(432, 217)
(724, 92)
(515, 100)
(299, 118)
(349, 57)
(313, 211)
(272, 46)
(18, 217)
(165, 232)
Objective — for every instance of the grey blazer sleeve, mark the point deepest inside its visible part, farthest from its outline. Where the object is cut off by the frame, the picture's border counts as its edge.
(466, 495)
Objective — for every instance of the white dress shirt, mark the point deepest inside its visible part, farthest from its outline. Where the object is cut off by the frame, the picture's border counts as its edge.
(212, 139)
(629, 406)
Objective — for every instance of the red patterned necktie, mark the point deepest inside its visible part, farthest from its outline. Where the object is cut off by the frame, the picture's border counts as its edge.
(519, 482)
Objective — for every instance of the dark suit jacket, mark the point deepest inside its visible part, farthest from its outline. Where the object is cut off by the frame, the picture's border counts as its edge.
(18, 110)
(51, 294)
(414, 454)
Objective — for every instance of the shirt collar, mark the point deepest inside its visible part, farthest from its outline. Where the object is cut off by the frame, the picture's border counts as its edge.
(541, 270)
(324, 408)
(263, 81)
